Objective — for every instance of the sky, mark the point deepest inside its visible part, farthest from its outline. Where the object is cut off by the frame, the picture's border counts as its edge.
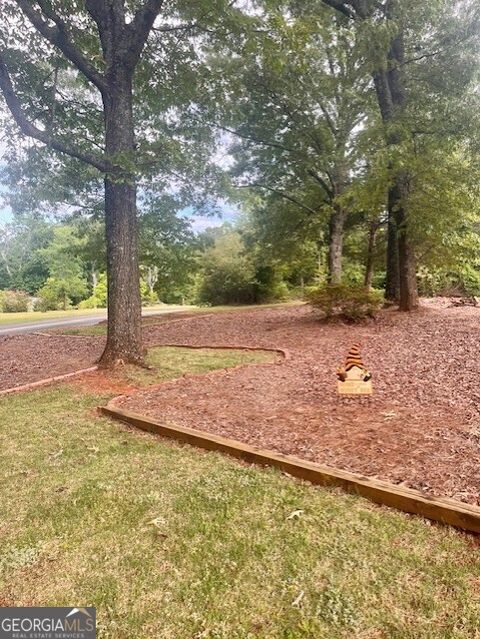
(229, 213)
(5, 213)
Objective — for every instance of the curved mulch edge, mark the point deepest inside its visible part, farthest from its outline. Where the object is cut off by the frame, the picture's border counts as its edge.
(45, 382)
(283, 352)
(443, 510)
(60, 378)
(440, 509)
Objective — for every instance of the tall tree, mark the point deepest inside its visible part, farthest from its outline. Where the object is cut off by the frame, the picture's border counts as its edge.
(80, 78)
(400, 33)
(67, 278)
(21, 241)
(121, 39)
(167, 249)
(298, 95)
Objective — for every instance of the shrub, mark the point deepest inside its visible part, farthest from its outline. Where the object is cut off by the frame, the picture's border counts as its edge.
(227, 273)
(148, 298)
(47, 297)
(58, 292)
(353, 274)
(226, 285)
(14, 301)
(90, 302)
(352, 302)
(449, 283)
(269, 284)
(98, 299)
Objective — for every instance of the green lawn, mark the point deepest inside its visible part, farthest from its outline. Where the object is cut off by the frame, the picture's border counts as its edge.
(169, 542)
(171, 362)
(91, 331)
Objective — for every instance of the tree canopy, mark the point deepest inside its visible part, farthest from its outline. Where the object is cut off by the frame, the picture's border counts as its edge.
(346, 132)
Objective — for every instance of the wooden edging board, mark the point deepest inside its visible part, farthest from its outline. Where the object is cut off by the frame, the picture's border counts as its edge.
(443, 510)
(45, 382)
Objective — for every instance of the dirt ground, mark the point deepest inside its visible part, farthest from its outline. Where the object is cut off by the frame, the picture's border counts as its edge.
(421, 428)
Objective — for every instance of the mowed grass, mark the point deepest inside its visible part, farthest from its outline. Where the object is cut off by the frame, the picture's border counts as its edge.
(169, 362)
(96, 330)
(169, 542)
(38, 316)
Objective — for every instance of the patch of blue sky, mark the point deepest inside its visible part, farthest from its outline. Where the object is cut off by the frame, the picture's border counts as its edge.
(5, 211)
(227, 213)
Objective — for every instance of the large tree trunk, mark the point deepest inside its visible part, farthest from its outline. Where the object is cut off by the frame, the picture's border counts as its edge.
(372, 237)
(124, 338)
(123, 31)
(390, 90)
(401, 283)
(406, 265)
(335, 245)
(392, 282)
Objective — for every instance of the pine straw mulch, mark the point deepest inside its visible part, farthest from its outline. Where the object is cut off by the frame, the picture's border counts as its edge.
(420, 429)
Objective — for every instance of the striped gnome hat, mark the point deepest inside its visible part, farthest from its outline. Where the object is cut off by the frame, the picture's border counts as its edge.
(354, 358)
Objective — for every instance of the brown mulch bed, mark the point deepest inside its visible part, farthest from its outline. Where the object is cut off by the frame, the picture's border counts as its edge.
(30, 358)
(420, 429)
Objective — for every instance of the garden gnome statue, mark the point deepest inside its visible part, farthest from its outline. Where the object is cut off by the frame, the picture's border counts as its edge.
(353, 378)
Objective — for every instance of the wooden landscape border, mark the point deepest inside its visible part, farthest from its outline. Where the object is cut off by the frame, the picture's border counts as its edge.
(46, 382)
(440, 509)
(443, 510)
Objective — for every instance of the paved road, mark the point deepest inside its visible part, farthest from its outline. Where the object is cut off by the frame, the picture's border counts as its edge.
(69, 322)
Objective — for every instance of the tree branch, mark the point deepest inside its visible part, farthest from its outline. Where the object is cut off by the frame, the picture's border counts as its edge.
(58, 36)
(321, 181)
(197, 25)
(97, 11)
(140, 28)
(179, 27)
(250, 138)
(340, 6)
(328, 119)
(32, 131)
(279, 193)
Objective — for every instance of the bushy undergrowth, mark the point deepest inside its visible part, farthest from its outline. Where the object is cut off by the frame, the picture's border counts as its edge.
(13, 301)
(350, 302)
(98, 299)
(448, 283)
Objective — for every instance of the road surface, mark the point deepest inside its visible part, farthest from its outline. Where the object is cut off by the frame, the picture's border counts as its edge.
(70, 322)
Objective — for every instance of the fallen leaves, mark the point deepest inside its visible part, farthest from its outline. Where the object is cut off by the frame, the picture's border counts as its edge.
(298, 600)
(158, 523)
(296, 514)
